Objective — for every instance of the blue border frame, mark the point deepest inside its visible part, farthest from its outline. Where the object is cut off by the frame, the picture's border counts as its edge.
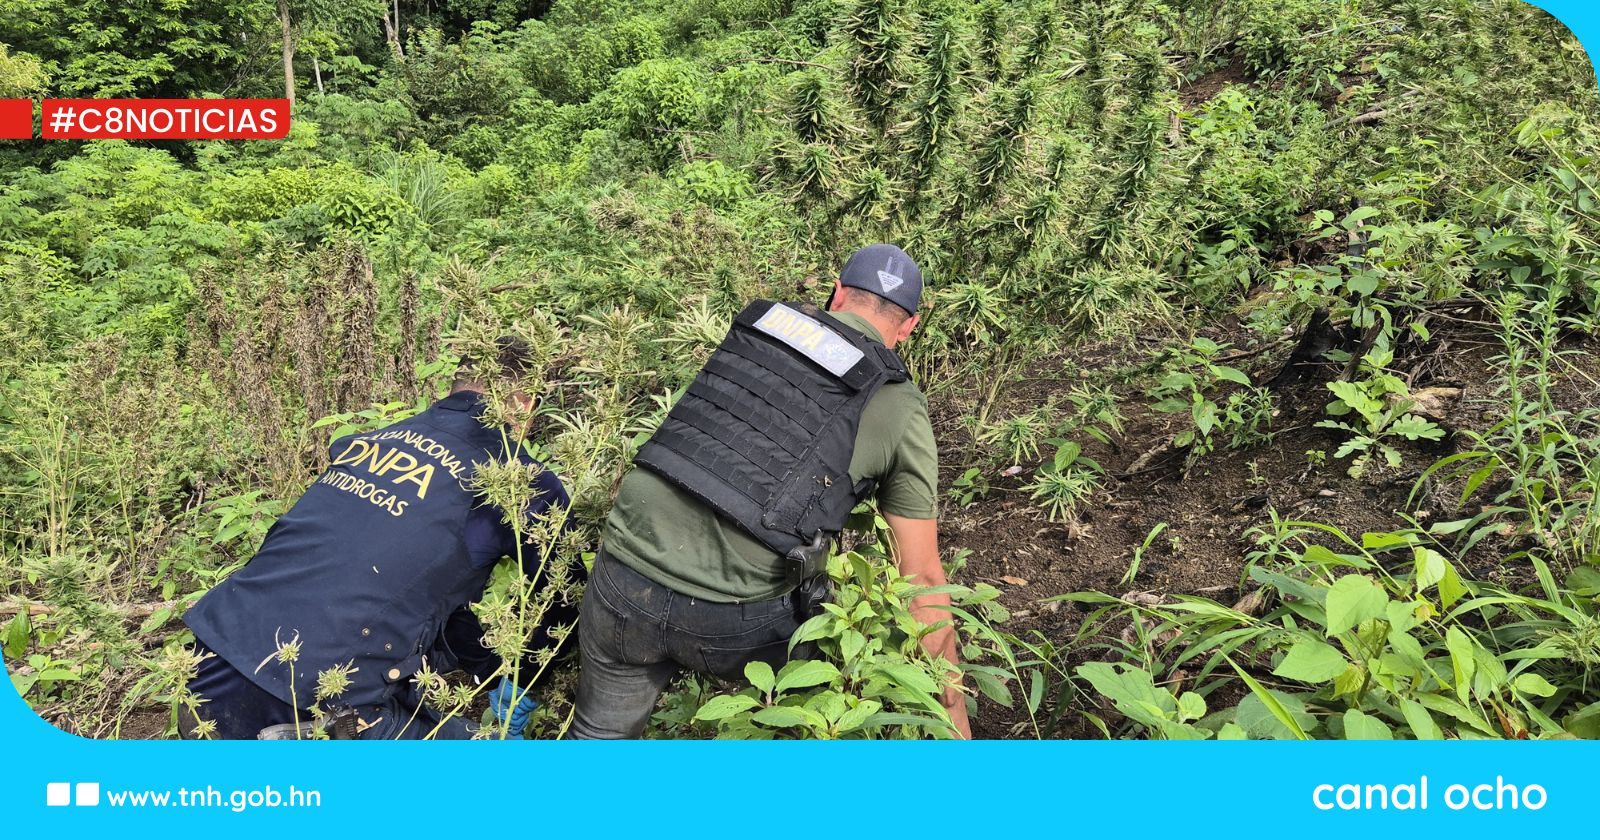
(792, 789)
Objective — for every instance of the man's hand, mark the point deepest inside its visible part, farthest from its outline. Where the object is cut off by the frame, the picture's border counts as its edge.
(916, 551)
(512, 705)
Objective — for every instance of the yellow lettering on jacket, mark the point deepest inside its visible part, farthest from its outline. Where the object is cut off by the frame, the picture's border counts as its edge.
(421, 476)
(354, 452)
(377, 461)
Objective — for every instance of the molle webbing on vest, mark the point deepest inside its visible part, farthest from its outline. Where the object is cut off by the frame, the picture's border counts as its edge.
(765, 433)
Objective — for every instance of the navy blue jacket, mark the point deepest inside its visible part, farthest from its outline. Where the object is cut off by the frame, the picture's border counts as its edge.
(371, 563)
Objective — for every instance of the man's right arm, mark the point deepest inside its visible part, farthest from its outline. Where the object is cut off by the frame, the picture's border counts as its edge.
(916, 552)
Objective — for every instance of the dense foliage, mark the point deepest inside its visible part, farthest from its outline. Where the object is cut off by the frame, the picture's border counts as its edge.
(184, 325)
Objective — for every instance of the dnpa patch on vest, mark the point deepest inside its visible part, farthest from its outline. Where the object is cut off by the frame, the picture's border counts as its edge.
(810, 338)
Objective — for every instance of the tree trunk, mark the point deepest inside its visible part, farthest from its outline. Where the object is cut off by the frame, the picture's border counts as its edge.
(288, 51)
(316, 70)
(391, 29)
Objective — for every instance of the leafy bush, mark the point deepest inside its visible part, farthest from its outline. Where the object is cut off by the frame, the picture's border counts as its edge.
(872, 677)
(1360, 652)
(1188, 388)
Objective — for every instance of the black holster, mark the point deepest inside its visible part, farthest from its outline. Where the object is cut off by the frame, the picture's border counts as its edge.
(810, 595)
(808, 561)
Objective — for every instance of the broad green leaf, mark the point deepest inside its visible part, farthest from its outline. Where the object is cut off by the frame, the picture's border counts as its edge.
(1462, 660)
(856, 718)
(1231, 732)
(991, 686)
(1174, 731)
(760, 675)
(23, 683)
(805, 673)
(1297, 589)
(1584, 580)
(1360, 726)
(1132, 689)
(1441, 529)
(1451, 589)
(1231, 375)
(1379, 540)
(816, 627)
(1350, 681)
(1363, 284)
(16, 636)
(1533, 684)
(909, 676)
(1393, 665)
(1402, 615)
(1406, 647)
(1191, 706)
(1585, 722)
(1423, 727)
(1441, 703)
(1355, 217)
(1431, 568)
(1412, 427)
(783, 717)
(1353, 396)
(726, 706)
(851, 643)
(1311, 661)
(828, 703)
(1265, 706)
(903, 719)
(1067, 453)
(1322, 556)
(1353, 599)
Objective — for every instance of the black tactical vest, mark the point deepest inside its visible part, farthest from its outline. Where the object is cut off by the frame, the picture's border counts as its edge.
(765, 433)
(366, 567)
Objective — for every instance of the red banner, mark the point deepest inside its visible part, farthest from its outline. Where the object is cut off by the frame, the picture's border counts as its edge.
(165, 119)
(16, 119)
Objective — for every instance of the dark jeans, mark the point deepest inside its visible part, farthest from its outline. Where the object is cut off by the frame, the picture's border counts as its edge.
(241, 709)
(635, 634)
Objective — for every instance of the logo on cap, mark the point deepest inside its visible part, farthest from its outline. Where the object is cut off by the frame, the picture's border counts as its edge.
(890, 282)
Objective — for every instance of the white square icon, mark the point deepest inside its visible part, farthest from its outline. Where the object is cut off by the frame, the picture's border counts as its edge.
(58, 793)
(88, 793)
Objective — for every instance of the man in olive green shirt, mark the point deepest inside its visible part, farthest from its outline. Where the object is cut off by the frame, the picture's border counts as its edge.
(677, 585)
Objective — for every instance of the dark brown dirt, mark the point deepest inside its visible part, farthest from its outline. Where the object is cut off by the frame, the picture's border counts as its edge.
(1210, 511)
(147, 724)
(1207, 85)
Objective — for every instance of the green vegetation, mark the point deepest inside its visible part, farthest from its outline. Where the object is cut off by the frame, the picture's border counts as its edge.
(1352, 245)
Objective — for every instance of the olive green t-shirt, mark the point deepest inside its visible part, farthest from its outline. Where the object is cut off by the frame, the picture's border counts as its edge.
(668, 536)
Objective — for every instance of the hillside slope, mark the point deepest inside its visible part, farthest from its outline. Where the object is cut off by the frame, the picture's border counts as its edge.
(1168, 244)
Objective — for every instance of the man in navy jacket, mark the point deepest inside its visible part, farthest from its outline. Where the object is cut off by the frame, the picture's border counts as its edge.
(370, 573)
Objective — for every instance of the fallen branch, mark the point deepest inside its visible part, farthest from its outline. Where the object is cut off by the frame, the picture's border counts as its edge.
(1245, 354)
(767, 60)
(124, 610)
(1376, 112)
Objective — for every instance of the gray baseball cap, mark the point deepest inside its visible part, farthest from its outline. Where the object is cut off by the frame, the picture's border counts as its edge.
(887, 272)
